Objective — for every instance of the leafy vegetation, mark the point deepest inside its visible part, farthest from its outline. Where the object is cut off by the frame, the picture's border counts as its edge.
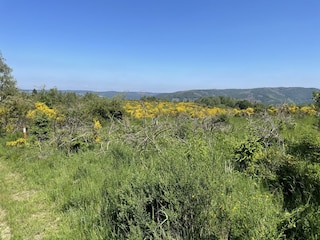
(98, 168)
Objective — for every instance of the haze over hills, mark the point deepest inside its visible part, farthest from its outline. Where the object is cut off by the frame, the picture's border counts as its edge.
(280, 95)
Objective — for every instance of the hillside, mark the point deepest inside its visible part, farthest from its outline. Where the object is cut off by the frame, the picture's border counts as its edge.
(297, 95)
(161, 170)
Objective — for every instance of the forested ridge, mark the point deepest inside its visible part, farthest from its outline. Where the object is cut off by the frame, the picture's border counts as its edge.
(87, 167)
(266, 95)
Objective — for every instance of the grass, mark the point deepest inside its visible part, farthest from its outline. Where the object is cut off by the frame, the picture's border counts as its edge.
(169, 179)
(24, 209)
(48, 189)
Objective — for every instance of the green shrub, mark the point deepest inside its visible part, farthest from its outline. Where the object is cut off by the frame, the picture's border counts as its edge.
(183, 193)
(302, 223)
(306, 148)
(247, 155)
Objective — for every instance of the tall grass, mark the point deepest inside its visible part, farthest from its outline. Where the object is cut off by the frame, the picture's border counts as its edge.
(171, 178)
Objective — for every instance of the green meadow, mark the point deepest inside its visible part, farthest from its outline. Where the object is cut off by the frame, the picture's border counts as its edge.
(88, 167)
(88, 170)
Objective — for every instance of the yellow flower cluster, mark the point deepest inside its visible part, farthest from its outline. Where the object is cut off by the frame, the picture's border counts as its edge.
(293, 109)
(10, 126)
(273, 110)
(96, 124)
(3, 114)
(140, 109)
(17, 143)
(42, 108)
(3, 110)
(243, 112)
(308, 110)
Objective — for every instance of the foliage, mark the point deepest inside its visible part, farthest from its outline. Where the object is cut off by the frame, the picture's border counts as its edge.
(170, 178)
(248, 154)
(7, 83)
(228, 102)
(149, 99)
(42, 118)
(140, 109)
(306, 148)
(102, 108)
(151, 169)
(12, 104)
(316, 99)
(176, 195)
(19, 142)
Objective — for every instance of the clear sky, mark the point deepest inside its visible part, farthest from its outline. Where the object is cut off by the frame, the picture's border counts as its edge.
(161, 45)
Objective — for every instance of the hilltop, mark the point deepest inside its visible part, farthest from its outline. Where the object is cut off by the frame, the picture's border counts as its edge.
(279, 95)
(296, 95)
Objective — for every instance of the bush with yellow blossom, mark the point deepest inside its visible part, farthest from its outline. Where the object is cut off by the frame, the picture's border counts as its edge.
(42, 120)
(96, 130)
(17, 143)
(140, 109)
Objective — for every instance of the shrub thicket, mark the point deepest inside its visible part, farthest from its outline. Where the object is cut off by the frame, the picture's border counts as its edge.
(112, 176)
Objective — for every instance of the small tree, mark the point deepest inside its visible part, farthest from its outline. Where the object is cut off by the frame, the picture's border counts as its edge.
(8, 103)
(316, 99)
(7, 82)
(43, 119)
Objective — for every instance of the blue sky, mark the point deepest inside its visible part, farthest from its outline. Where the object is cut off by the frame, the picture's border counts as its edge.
(161, 45)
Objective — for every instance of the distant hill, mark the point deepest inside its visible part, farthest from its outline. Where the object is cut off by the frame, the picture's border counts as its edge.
(280, 95)
(109, 94)
(127, 95)
(296, 95)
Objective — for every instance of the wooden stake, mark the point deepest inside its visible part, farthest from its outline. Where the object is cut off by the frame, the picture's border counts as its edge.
(25, 132)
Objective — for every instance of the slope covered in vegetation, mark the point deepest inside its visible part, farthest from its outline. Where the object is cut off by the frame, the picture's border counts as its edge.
(280, 95)
(88, 167)
(277, 95)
